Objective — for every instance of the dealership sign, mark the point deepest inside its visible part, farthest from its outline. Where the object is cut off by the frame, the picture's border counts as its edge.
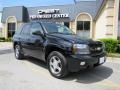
(48, 14)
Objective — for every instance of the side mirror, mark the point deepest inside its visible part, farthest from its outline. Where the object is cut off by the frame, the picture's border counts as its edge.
(37, 33)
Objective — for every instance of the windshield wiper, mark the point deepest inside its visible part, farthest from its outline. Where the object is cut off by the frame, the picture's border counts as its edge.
(56, 33)
(61, 33)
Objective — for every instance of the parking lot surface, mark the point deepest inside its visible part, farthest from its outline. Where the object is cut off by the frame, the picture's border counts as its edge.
(32, 74)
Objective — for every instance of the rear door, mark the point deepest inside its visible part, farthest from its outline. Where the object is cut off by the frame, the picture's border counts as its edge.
(24, 38)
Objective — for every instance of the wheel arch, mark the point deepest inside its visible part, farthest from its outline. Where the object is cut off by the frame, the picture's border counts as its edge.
(51, 48)
(14, 44)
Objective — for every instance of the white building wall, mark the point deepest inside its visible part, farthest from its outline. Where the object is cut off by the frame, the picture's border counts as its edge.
(4, 31)
(100, 31)
(73, 26)
(107, 22)
(119, 29)
(116, 22)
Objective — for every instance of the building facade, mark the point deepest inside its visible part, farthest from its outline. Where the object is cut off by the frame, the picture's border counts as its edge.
(89, 19)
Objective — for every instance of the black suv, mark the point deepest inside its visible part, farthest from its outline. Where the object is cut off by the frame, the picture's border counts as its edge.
(57, 45)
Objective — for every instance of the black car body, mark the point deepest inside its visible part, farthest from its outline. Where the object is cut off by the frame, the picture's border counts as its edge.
(63, 50)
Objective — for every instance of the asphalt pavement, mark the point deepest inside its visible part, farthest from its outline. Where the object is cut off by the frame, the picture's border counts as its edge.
(32, 74)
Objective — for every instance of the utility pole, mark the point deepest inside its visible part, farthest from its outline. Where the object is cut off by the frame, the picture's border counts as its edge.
(74, 1)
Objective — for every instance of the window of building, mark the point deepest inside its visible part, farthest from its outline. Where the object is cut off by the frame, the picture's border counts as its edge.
(11, 26)
(11, 29)
(66, 24)
(83, 25)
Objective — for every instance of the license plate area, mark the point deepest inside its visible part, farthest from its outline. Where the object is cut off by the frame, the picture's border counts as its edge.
(101, 60)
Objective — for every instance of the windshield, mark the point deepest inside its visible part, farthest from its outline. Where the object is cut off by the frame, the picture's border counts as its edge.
(57, 28)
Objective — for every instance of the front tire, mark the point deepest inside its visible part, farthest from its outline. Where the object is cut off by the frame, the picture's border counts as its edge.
(18, 52)
(57, 64)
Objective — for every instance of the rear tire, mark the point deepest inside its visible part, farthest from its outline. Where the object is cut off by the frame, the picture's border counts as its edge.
(18, 52)
(57, 64)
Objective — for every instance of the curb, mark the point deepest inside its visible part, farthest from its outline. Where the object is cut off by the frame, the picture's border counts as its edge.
(5, 45)
(113, 58)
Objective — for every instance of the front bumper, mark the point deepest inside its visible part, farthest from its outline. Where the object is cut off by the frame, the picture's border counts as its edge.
(90, 61)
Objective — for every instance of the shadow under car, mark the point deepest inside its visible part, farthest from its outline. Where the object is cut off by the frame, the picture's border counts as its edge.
(85, 76)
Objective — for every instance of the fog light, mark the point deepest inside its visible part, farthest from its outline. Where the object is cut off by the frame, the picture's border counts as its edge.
(82, 63)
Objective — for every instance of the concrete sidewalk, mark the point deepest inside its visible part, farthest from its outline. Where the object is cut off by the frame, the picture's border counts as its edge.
(113, 60)
(5, 45)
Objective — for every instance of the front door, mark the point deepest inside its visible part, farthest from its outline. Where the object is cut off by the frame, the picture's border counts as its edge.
(83, 29)
(35, 44)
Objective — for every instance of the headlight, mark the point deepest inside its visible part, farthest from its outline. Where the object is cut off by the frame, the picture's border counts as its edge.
(80, 49)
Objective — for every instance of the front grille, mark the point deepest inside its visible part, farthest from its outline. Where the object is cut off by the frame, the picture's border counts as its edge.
(96, 48)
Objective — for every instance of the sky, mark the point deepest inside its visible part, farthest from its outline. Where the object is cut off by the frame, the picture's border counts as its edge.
(32, 3)
(29, 3)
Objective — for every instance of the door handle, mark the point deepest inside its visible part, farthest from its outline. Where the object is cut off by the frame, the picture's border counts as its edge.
(19, 38)
(28, 39)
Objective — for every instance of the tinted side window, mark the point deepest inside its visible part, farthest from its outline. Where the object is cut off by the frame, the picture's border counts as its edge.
(18, 31)
(35, 28)
(26, 29)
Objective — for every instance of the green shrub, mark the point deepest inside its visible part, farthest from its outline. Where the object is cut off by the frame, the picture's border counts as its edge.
(8, 39)
(2, 39)
(118, 40)
(118, 48)
(111, 45)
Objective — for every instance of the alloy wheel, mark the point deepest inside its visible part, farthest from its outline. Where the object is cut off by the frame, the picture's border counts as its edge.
(17, 48)
(55, 65)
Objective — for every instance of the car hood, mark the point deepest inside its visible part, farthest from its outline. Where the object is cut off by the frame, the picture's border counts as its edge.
(71, 38)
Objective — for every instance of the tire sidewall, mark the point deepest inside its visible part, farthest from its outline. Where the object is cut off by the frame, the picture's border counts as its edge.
(20, 55)
(63, 62)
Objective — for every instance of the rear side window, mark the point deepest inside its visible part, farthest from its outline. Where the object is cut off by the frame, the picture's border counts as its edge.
(18, 31)
(26, 29)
